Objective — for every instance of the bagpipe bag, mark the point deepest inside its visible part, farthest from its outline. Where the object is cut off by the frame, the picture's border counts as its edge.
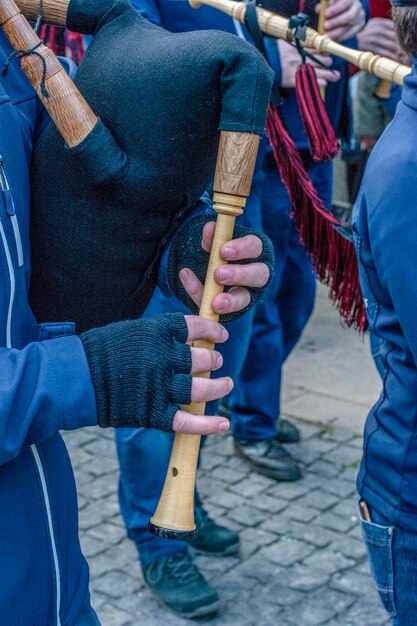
(102, 212)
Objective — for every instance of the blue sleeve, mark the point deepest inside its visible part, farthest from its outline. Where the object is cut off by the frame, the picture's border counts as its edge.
(203, 207)
(44, 388)
(148, 9)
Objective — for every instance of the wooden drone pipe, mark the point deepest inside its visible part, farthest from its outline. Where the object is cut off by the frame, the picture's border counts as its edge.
(54, 12)
(277, 26)
(174, 516)
(65, 104)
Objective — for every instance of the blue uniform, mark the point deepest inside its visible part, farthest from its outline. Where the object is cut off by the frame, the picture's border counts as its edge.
(385, 225)
(267, 335)
(44, 387)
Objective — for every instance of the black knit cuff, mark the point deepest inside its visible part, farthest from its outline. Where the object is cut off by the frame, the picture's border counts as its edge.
(186, 251)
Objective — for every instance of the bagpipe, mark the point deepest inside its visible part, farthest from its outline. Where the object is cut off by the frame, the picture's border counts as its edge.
(134, 144)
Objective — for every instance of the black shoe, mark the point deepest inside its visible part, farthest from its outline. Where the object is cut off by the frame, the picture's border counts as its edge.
(212, 538)
(177, 583)
(287, 432)
(269, 457)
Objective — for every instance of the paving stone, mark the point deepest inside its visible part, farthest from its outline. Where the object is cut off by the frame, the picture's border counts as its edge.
(345, 456)
(346, 508)
(247, 515)
(324, 469)
(336, 522)
(302, 513)
(116, 584)
(228, 499)
(258, 536)
(227, 475)
(320, 500)
(271, 504)
(287, 551)
(329, 561)
(307, 578)
(113, 616)
(353, 582)
(310, 613)
(339, 487)
(289, 491)
(110, 533)
(248, 488)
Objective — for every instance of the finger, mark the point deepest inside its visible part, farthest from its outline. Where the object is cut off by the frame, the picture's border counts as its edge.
(250, 275)
(336, 7)
(207, 389)
(234, 300)
(248, 247)
(192, 285)
(200, 328)
(207, 237)
(185, 422)
(327, 76)
(204, 360)
(325, 59)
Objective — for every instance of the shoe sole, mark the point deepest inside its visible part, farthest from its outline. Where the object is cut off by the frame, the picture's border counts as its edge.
(266, 471)
(201, 611)
(229, 551)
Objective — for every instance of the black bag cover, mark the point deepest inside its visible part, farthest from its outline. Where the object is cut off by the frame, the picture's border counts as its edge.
(101, 212)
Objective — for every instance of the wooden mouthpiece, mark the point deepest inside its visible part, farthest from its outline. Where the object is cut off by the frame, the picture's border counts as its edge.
(65, 104)
(174, 516)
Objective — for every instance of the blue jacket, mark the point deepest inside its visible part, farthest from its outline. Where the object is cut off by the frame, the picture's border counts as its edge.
(385, 227)
(44, 387)
(178, 16)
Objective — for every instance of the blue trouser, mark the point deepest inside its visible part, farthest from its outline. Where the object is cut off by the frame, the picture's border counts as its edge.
(144, 454)
(392, 554)
(283, 313)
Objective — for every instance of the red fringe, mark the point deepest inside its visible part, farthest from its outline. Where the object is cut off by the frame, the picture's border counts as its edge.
(333, 256)
(320, 134)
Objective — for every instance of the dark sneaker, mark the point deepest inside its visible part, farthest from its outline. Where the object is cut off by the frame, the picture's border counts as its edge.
(212, 538)
(177, 583)
(270, 458)
(287, 432)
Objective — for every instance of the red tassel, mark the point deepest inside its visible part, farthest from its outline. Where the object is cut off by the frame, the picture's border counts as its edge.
(333, 256)
(75, 43)
(320, 134)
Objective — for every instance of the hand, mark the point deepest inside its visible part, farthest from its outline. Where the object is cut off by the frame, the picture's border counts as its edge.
(204, 389)
(290, 60)
(378, 36)
(344, 19)
(240, 276)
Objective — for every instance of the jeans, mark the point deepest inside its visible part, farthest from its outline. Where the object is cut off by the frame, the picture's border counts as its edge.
(392, 554)
(143, 453)
(282, 315)
(88, 616)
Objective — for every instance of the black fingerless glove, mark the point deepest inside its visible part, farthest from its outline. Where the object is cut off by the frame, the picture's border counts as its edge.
(186, 251)
(141, 371)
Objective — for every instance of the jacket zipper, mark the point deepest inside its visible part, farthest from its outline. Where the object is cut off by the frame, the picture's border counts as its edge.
(39, 465)
(12, 279)
(11, 211)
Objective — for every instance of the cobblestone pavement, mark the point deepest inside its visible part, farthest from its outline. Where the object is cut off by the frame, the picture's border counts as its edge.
(302, 562)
